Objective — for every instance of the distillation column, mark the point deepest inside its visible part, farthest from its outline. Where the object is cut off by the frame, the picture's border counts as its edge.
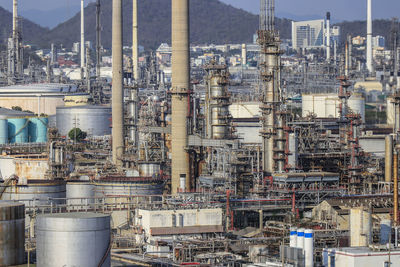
(117, 85)
(270, 77)
(180, 95)
(217, 102)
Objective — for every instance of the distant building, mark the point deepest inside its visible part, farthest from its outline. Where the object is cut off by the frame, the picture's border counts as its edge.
(308, 34)
(378, 42)
(76, 47)
(358, 40)
(335, 34)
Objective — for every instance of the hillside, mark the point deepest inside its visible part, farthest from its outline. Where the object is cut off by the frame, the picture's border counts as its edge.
(211, 22)
(358, 28)
(30, 30)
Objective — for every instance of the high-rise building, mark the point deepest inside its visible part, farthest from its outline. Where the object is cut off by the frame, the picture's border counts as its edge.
(308, 34)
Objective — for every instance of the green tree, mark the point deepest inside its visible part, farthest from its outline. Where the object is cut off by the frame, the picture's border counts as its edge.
(77, 134)
(16, 108)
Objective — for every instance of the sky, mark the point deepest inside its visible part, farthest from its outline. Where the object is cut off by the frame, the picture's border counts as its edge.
(293, 9)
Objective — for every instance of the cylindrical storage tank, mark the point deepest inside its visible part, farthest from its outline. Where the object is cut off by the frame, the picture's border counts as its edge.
(386, 231)
(309, 247)
(356, 104)
(35, 191)
(300, 238)
(149, 169)
(293, 237)
(73, 239)
(18, 130)
(12, 233)
(390, 107)
(80, 193)
(94, 120)
(360, 227)
(125, 188)
(3, 131)
(38, 129)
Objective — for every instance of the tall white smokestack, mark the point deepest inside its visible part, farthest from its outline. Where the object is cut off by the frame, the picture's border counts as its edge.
(135, 42)
(82, 35)
(328, 36)
(369, 36)
(15, 18)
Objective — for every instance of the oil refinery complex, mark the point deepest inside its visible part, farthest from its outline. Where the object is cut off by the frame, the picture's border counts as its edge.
(275, 153)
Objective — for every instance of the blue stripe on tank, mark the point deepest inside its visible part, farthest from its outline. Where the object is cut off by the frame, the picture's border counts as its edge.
(308, 235)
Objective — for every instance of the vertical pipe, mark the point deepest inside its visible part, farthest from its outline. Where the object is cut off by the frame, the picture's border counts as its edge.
(346, 59)
(328, 36)
(135, 42)
(117, 84)
(350, 52)
(395, 188)
(82, 34)
(388, 158)
(244, 54)
(369, 36)
(180, 89)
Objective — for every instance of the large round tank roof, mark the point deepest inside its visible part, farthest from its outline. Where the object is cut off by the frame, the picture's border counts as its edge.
(38, 88)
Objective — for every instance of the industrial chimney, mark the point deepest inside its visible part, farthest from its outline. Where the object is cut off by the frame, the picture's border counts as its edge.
(369, 36)
(82, 36)
(135, 42)
(117, 85)
(328, 36)
(180, 90)
(15, 19)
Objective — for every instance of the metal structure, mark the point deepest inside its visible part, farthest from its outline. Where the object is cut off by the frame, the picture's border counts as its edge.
(217, 102)
(273, 115)
(68, 238)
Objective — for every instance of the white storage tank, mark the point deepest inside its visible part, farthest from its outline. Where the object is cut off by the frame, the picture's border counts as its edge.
(390, 108)
(80, 193)
(309, 247)
(360, 227)
(293, 237)
(300, 238)
(94, 120)
(12, 233)
(73, 239)
(320, 105)
(356, 104)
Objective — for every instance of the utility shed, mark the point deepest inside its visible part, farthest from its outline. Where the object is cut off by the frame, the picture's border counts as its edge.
(360, 256)
(178, 222)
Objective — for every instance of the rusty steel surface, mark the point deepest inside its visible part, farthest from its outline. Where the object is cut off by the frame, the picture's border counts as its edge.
(12, 233)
